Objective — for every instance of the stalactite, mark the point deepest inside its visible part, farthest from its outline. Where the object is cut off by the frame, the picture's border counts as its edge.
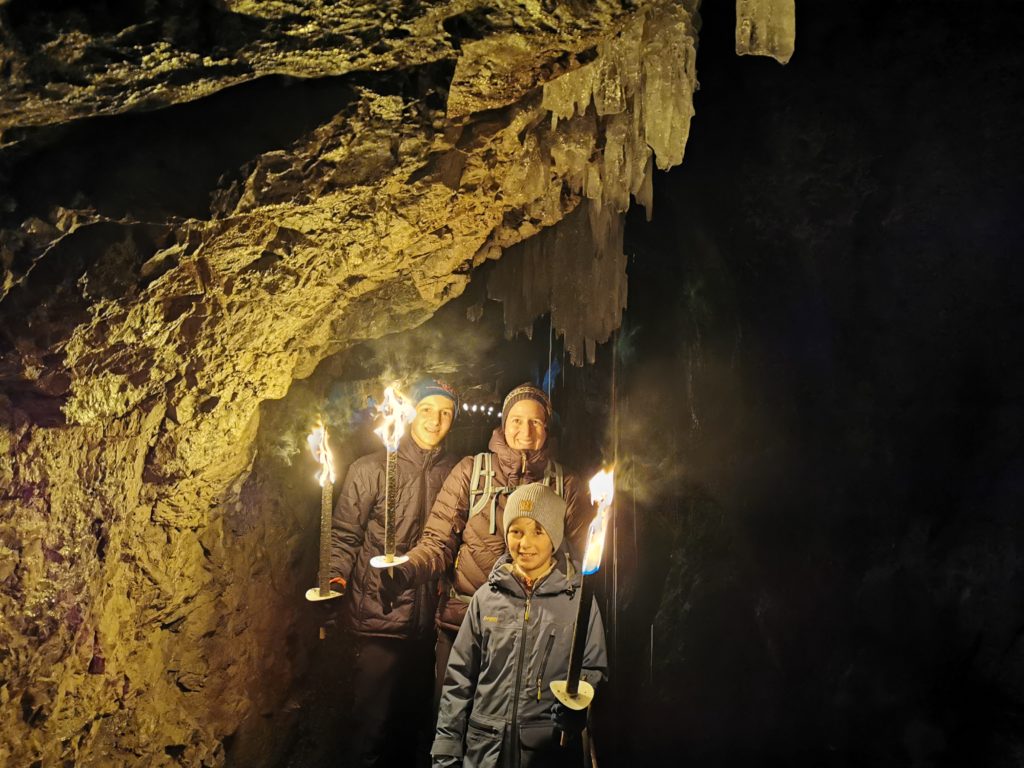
(566, 270)
(612, 119)
(766, 28)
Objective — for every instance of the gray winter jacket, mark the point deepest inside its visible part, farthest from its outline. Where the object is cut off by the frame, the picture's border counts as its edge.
(496, 698)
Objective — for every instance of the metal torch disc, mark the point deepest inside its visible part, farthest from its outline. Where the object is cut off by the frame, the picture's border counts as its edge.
(381, 561)
(581, 700)
(314, 596)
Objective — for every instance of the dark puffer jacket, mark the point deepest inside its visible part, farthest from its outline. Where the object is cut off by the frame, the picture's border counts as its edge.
(450, 536)
(497, 694)
(357, 534)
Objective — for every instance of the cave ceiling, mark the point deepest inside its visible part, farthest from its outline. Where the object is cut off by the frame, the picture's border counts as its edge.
(199, 202)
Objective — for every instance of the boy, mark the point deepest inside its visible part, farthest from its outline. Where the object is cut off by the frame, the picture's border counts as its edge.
(496, 706)
(393, 683)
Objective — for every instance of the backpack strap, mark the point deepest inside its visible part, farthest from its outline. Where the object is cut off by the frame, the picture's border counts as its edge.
(481, 483)
(554, 476)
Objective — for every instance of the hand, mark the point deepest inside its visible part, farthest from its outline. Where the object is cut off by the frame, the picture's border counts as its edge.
(445, 761)
(393, 582)
(569, 721)
(339, 585)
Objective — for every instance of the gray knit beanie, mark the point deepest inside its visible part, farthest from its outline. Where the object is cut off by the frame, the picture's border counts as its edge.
(537, 502)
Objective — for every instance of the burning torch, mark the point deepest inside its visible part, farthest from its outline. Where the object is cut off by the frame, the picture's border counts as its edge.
(573, 692)
(396, 412)
(322, 453)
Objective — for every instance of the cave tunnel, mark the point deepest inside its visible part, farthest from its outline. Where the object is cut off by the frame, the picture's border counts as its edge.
(799, 346)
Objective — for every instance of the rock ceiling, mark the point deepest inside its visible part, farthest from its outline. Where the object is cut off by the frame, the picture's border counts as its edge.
(138, 339)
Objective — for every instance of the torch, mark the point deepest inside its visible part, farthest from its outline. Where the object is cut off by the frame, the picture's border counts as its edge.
(322, 453)
(396, 412)
(573, 692)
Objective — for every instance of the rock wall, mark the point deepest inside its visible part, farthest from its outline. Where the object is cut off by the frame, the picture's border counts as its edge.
(199, 203)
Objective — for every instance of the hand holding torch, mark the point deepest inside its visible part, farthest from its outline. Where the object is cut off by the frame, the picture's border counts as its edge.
(572, 692)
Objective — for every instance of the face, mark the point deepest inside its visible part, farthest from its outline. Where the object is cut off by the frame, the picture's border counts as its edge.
(530, 546)
(434, 416)
(526, 426)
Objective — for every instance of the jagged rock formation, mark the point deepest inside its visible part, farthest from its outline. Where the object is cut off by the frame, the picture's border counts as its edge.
(145, 608)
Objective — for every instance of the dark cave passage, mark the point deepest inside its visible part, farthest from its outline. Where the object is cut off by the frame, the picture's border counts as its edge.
(814, 402)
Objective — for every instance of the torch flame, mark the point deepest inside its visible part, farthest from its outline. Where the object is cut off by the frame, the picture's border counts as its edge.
(602, 487)
(396, 411)
(602, 491)
(322, 453)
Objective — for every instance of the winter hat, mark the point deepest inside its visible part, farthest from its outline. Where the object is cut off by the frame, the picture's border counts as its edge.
(525, 392)
(537, 502)
(427, 387)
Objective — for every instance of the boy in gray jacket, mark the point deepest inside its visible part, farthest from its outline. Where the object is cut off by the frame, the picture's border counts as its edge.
(496, 706)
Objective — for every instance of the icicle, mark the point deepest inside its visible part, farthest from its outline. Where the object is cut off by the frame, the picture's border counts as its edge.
(576, 270)
(612, 119)
(766, 28)
(641, 88)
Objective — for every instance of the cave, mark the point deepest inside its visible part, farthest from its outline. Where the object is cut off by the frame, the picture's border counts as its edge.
(773, 278)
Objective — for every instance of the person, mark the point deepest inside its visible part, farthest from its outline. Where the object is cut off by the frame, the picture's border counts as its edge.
(394, 644)
(464, 530)
(497, 708)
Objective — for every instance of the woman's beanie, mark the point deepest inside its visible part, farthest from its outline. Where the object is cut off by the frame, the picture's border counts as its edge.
(428, 387)
(537, 502)
(526, 392)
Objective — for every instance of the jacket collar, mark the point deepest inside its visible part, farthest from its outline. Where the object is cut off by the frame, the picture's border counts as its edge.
(562, 578)
(511, 461)
(409, 451)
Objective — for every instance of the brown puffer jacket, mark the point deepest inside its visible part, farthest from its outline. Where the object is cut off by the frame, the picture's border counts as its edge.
(451, 536)
(357, 534)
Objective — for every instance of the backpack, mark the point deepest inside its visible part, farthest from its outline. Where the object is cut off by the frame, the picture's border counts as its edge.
(483, 492)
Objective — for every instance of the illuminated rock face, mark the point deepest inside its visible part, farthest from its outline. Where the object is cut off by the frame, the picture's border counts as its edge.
(146, 608)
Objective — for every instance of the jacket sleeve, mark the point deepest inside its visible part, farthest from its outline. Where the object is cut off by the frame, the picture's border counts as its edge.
(460, 681)
(595, 656)
(435, 551)
(351, 516)
(578, 514)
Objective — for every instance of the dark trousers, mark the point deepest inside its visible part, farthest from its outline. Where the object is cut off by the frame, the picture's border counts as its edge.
(392, 719)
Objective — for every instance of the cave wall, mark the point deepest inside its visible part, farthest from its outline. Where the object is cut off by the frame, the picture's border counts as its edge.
(822, 397)
(200, 202)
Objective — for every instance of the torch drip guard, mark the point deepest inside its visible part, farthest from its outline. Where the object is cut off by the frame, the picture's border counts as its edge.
(581, 700)
(314, 595)
(382, 561)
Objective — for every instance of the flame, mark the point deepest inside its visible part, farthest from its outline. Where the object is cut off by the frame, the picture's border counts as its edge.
(396, 411)
(322, 453)
(602, 491)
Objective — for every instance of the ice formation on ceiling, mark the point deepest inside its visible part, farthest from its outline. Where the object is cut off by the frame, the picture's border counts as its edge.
(766, 28)
(627, 109)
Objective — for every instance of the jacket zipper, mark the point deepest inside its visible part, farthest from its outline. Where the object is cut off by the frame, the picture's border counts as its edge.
(519, 682)
(544, 662)
(420, 595)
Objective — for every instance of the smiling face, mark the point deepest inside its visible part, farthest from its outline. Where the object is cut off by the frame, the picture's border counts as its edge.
(530, 546)
(526, 426)
(434, 416)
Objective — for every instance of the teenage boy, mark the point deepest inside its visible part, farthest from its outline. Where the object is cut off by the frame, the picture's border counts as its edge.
(393, 679)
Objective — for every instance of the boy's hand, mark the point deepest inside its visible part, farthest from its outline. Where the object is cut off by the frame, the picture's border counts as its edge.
(445, 761)
(569, 721)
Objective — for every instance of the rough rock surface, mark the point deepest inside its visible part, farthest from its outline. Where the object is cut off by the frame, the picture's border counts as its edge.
(146, 603)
